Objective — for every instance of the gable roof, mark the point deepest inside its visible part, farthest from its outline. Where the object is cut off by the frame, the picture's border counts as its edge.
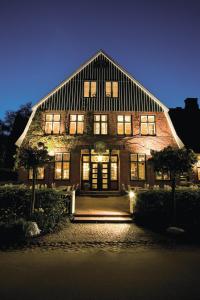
(148, 98)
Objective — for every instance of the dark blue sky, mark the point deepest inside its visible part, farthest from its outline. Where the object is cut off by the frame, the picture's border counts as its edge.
(43, 42)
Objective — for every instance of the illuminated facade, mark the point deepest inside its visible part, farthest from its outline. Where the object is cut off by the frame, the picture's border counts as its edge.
(100, 125)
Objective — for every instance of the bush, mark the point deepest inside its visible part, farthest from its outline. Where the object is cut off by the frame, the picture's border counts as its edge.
(15, 231)
(50, 206)
(154, 208)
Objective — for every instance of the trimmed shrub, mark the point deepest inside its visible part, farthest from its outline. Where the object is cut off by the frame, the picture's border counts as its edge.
(154, 208)
(15, 231)
(50, 206)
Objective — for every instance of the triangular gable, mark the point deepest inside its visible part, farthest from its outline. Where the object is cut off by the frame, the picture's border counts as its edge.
(138, 98)
(132, 95)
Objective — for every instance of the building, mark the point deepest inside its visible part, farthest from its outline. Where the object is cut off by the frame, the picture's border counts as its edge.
(186, 123)
(100, 126)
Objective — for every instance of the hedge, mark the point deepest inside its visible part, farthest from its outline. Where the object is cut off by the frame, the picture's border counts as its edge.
(50, 206)
(155, 208)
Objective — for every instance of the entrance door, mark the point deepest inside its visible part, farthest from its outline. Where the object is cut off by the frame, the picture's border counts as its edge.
(100, 176)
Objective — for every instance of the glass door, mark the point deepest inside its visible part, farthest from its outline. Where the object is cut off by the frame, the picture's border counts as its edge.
(100, 176)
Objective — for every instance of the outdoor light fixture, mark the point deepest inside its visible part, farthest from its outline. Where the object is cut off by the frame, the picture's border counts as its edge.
(131, 194)
(51, 153)
(100, 158)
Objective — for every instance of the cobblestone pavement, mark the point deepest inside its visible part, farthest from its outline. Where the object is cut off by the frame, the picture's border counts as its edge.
(113, 236)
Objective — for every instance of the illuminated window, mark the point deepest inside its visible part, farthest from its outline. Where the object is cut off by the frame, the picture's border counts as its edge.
(147, 125)
(52, 124)
(124, 125)
(62, 166)
(100, 124)
(112, 89)
(162, 175)
(86, 167)
(114, 168)
(138, 166)
(76, 124)
(39, 175)
(198, 173)
(90, 88)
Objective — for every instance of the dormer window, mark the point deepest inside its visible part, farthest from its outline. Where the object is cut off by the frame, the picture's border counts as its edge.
(52, 124)
(90, 89)
(112, 89)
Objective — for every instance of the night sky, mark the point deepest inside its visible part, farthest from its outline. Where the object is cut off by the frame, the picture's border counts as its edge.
(43, 42)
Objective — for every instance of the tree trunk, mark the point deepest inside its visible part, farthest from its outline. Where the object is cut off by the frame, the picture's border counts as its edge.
(32, 206)
(173, 201)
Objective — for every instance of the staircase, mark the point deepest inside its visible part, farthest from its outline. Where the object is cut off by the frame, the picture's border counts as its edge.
(98, 218)
(96, 207)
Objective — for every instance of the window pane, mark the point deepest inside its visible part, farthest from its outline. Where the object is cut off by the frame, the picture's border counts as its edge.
(65, 170)
(66, 156)
(48, 127)
(93, 89)
(30, 174)
(58, 170)
(96, 128)
(72, 129)
(97, 117)
(40, 173)
(104, 118)
(103, 128)
(143, 118)
(166, 176)
(134, 174)
(144, 128)
(56, 127)
(73, 117)
(127, 118)
(58, 157)
(151, 118)
(108, 89)
(113, 171)
(158, 175)
(49, 118)
(151, 128)
(141, 157)
(86, 158)
(86, 171)
(141, 171)
(113, 158)
(80, 128)
(120, 118)
(127, 128)
(133, 157)
(56, 118)
(115, 88)
(198, 173)
(120, 128)
(80, 117)
(86, 89)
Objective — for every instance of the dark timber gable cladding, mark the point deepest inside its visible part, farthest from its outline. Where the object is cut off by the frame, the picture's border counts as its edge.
(101, 69)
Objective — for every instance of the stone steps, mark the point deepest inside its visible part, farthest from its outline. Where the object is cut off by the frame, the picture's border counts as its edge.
(95, 218)
(99, 194)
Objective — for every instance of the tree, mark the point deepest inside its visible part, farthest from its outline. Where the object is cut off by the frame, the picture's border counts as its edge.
(175, 162)
(10, 129)
(32, 158)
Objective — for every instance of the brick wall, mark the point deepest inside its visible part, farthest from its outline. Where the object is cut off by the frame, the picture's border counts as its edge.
(135, 144)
